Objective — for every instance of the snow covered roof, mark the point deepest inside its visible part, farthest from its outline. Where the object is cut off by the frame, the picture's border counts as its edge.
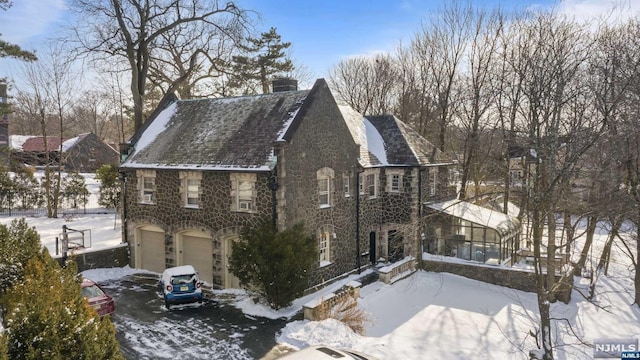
(502, 223)
(387, 141)
(16, 142)
(236, 133)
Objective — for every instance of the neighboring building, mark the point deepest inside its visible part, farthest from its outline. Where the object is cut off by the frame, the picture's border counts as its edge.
(83, 153)
(31, 150)
(86, 153)
(202, 169)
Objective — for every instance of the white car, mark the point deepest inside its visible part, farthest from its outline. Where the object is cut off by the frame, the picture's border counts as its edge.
(326, 353)
(181, 285)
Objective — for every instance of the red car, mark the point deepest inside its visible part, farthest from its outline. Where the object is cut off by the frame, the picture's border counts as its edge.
(97, 298)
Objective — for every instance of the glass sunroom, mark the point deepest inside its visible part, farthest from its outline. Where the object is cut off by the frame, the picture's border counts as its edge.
(471, 232)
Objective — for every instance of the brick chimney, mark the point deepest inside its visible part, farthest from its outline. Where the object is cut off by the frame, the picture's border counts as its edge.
(284, 84)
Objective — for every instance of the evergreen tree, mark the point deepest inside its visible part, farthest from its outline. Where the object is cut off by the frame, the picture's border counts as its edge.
(7, 187)
(27, 189)
(18, 244)
(74, 190)
(109, 185)
(4, 351)
(265, 58)
(47, 317)
(278, 264)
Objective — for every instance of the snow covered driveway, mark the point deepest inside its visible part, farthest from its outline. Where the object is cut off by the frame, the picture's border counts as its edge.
(213, 330)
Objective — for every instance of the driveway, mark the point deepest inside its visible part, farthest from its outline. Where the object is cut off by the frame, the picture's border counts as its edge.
(145, 329)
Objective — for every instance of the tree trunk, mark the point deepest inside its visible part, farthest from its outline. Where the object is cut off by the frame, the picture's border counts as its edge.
(591, 229)
(606, 251)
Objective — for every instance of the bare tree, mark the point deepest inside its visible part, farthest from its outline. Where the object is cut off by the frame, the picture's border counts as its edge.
(134, 30)
(552, 54)
(478, 91)
(366, 83)
(49, 94)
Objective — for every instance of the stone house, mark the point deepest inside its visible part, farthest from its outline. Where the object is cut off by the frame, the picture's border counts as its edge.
(202, 169)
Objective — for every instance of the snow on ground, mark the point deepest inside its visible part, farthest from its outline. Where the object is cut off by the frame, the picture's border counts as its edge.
(429, 315)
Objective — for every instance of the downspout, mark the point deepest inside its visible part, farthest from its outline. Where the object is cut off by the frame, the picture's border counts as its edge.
(420, 212)
(273, 186)
(357, 191)
(123, 178)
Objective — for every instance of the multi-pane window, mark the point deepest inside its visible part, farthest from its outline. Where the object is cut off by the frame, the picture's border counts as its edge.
(361, 184)
(323, 191)
(372, 185)
(193, 193)
(323, 248)
(245, 195)
(243, 192)
(147, 186)
(190, 188)
(394, 181)
(325, 177)
(345, 185)
(433, 182)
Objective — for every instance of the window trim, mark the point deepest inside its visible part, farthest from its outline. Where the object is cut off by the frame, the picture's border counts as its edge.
(372, 185)
(143, 191)
(325, 175)
(391, 174)
(245, 204)
(346, 185)
(433, 183)
(185, 178)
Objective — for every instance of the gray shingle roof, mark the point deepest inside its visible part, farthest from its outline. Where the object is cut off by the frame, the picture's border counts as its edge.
(386, 141)
(227, 133)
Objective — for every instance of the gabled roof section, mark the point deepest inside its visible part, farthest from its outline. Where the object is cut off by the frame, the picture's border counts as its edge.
(36, 144)
(236, 133)
(386, 141)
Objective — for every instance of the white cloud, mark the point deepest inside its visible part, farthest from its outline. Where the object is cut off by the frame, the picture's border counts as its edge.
(27, 20)
(605, 10)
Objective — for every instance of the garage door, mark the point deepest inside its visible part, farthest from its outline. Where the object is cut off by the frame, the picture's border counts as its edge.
(151, 247)
(198, 251)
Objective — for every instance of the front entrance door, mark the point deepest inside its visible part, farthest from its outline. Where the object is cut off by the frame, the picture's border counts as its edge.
(372, 247)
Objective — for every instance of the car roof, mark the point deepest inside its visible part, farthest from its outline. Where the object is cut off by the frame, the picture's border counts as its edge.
(87, 282)
(180, 270)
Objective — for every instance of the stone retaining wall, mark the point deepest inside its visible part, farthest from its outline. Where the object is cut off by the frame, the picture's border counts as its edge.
(512, 278)
(107, 258)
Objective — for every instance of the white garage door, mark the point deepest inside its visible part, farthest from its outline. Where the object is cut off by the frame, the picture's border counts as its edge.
(198, 251)
(152, 255)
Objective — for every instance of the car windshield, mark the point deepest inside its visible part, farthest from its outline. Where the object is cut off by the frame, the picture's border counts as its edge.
(92, 291)
(182, 279)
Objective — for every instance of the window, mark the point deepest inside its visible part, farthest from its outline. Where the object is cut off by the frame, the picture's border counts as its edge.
(345, 185)
(243, 192)
(323, 248)
(361, 186)
(147, 186)
(324, 177)
(433, 181)
(372, 185)
(394, 181)
(190, 181)
(323, 192)
(193, 193)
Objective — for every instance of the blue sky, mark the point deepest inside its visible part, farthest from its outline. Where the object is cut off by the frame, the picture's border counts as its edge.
(322, 32)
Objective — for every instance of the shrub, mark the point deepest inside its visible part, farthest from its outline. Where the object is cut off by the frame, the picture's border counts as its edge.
(74, 190)
(109, 186)
(344, 309)
(276, 264)
(47, 317)
(18, 244)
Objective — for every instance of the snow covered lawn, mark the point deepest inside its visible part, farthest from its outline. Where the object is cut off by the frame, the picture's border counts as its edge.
(432, 315)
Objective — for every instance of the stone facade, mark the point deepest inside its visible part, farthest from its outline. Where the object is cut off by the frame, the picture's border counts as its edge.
(359, 214)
